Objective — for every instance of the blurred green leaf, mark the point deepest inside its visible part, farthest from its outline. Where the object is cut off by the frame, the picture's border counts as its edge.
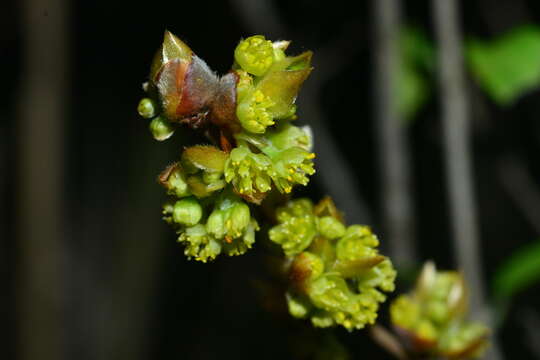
(508, 67)
(417, 60)
(520, 270)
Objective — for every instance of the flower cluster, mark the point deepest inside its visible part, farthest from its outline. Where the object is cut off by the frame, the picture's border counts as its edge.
(246, 115)
(432, 318)
(336, 274)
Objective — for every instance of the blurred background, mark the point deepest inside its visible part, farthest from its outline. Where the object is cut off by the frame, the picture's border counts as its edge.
(89, 270)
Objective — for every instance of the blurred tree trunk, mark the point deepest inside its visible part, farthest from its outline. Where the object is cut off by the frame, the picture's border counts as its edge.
(393, 151)
(457, 150)
(40, 275)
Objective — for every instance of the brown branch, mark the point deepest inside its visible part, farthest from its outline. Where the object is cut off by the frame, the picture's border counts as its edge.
(457, 151)
(388, 341)
(392, 146)
(41, 291)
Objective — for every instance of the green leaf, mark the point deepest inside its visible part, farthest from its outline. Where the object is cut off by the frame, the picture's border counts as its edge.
(519, 271)
(417, 62)
(507, 67)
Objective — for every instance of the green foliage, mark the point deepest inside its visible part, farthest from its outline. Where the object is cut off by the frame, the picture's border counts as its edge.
(417, 61)
(337, 275)
(520, 270)
(432, 316)
(509, 66)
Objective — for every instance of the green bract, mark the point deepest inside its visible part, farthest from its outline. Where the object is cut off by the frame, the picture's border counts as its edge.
(203, 167)
(337, 276)
(268, 82)
(433, 316)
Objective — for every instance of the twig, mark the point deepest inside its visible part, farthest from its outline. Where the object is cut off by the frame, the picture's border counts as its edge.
(388, 341)
(390, 132)
(457, 155)
(41, 290)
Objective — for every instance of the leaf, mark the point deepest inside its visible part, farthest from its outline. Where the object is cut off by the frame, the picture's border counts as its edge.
(508, 67)
(519, 271)
(417, 62)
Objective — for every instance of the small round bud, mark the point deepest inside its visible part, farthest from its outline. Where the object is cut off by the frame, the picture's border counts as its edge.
(147, 108)
(215, 224)
(331, 228)
(187, 212)
(161, 129)
(240, 217)
(255, 54)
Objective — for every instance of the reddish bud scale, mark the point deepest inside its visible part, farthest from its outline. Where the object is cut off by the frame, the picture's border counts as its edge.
(223, 107)
(192, 94)
(299, 273)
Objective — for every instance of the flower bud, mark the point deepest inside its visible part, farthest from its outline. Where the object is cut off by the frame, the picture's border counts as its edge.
(248, 172)
(173, 179)
(344, 279)
(172, 48)
(187, 212)
(331, 228)
(229, 219)
(185, 84)
(432, 317)
(358, 242)
(147, 108)
(253, 112)
(255, 55)
(199, 244)
(294, 232)
(292, 166)
(161, 129)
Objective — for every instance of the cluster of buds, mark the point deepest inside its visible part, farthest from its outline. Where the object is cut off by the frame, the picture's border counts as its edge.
(209, 218)
(432, 318)
(337, 276)
(246, 115)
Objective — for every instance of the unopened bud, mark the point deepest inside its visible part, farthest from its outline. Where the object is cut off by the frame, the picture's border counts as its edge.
(161, 129)
(147, 108)
(255, 54)
(187, 212)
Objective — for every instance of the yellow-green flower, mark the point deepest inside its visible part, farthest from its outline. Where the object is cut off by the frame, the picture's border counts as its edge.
(432, 316)
(337, 275)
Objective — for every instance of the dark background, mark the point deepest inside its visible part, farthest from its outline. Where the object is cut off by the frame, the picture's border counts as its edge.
(124, 288)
